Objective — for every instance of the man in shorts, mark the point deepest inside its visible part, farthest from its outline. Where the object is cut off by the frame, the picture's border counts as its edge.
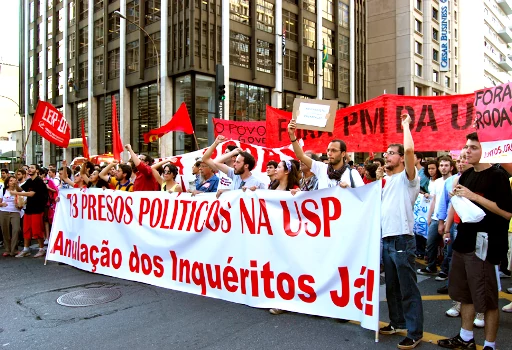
(472, 278)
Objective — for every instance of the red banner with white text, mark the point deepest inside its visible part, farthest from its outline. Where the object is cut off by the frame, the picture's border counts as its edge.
(51, 124)
(254, 133)
(438, 123)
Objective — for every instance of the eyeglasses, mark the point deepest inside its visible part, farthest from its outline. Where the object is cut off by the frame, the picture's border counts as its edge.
(391, 153)
(166, 172)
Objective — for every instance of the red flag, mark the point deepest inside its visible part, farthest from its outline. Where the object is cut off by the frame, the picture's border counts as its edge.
(85, 147)
(117, 144)
(179, 122)
(51, 124)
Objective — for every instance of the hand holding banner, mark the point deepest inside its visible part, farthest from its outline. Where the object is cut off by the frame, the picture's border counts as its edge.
(51, 124)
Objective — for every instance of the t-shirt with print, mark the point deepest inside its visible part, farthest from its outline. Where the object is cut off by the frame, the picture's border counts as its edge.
(209, 185)
(398, 197)
(320, 170)
(437, 191)
(127, 186)
(492, 184)
(36, 203)
(238, 183)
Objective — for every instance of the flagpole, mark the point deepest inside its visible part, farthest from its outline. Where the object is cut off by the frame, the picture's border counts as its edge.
(25, 145)
(195, 139)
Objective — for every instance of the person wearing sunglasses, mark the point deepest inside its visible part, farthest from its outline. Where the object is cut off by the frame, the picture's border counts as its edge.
(168, 181)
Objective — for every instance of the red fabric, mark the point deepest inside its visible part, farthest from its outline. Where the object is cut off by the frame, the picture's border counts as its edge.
(51, 124)
(438, 122)
(248, 132)
(85, 146)
(33, 226)
(117, 144)
(145, 181)
(179, 122)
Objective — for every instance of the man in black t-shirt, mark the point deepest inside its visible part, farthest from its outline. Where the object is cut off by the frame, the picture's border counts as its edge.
(472, 280)
(37, 196)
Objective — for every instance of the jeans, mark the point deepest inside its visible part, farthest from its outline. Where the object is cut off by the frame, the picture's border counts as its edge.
(402, 293)
(433, 240)
(445, 266)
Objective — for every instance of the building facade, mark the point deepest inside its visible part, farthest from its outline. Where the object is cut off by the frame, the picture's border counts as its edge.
(77, 54)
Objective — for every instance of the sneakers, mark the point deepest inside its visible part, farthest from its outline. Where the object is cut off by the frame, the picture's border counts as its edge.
(507, 308)
(441, 276)
(275, 311)
(389, 329)
(408, 343)
(40, 253)
(23, 254)
(426, 271)
(456, 343)
(454, 311)
(479, 321)
(442, 290)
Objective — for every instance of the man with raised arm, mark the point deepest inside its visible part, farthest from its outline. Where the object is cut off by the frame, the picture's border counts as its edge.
(144, 180)
(397, 219)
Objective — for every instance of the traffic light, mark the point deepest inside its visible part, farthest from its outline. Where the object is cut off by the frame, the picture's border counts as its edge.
(222, 92)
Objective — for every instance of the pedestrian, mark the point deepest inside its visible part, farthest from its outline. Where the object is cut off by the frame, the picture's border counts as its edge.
(170, 173)
(144, 180)
(10, 215)
(271, 171)
(121, 180)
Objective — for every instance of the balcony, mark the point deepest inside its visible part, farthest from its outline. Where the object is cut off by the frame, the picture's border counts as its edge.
(505, 63)
(506, 6)
(505, 34)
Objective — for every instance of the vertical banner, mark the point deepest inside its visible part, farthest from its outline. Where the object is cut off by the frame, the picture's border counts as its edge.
(493, 122)
(444, 38)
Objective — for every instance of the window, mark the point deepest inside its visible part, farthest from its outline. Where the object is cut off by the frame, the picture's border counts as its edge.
(239, 11)
(83, 40)
(328, 40)
(152, 11)
(40, 62)
(435, 14)
(82, 75)
(417, 90)
(455, 51)
(132, 14)
(328, 10)
(418, 48)
(344, 84)
(247, 102)
(114, 25)
(435, 93)
(328, 72)
(265, 16)
(152, 52)
(309, 69)
(455, 33)
(418, 69)
(447, 82)
(239, 49)
(49, 87)
(132, 57)
(71, 13)
(343, 14)
(291, 65)
(31, 39)
(264, 56)
(113, 64)
(98, 5)
(418, 5)
(344, 48)
(31, 67)
(309, 5)
(71, 77)
(455, 15)
(435, 76)
(456, 87)
(49, 60)
(61, 83)
(418, 26)
(72, 45)
(49, 26)
(99, 64)
(309, 38)
(84, 9)
(290, 20)
(98, 32)
(435, 34)
(435, 55)
(456, 69)
(60, 16)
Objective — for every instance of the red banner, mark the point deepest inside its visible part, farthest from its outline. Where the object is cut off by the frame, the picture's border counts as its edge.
(246, 132)
(51, 124)
(438, 123)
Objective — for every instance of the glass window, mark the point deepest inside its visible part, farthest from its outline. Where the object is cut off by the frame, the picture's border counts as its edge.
(344, 48)
(309, 69)
(31, 66)
(49, 87)
(264, 56)
(61, 83)
(328, 40)
(309, 5)
(31, 94)
(309, 38)
(84, 9)
(99, 64)
(247, 102)
(419, 5)
(344, 19)
(72, 85)
(98, 5)
(455, 33)
(328, 72)
(435, 93)
(418, 26)
(418, 48)
(344, 84)
(435, 55)
(152, 11)
(114, 25)
(239, 11)
(447, 81)
(435, 76)
(60, 16)
(417, 90)
(152, 50)
(205, 106)
(239, 50)
(456, 69)
(290, 20)
(418, 69)
(83, 40)
(31, 39)
(98, 32)
(41, 92)
(328, 10)
(132, 57)
(265, 16)
(132, 14)
(71, 13)
(31, 11)
(144, 117)
(40, 34)
(184, 93)
(291, 65)
(72, 45)
(49, 62)
(82, 74)
(113, 64)
(435, 34)
(40, 62)
(435, 14)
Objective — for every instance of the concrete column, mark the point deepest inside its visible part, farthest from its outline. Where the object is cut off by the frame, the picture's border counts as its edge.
(67, 110)
(225, 52)
(428, 68)
(92, 102)
(44, 70)
(319, 52)
(165, 98)
(352, 41)
(277, 94)
(124, 102)
(28, 120)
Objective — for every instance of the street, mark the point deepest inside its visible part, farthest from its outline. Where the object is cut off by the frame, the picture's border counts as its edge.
(148, 317)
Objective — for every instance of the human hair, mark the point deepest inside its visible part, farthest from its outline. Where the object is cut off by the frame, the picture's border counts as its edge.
(429, 162)
(323, 157)
(231, 148)
(400, 147)
(419, 155)
(126, 169)
(43, 171)
(148, 158)
(293, 175)
(472, 136)
(445, 158)
(68, 171)
(272, 163)
(372, 170)
(4, 170)
(343, 145)
(379, 160)
(172, 168)
(197, 164)
(38, 168)
(248, 159)
(22, 171)
(351, 163)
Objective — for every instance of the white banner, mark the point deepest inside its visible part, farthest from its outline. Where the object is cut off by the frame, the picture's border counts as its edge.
(496, 151)
(315, 253)
(421, 207)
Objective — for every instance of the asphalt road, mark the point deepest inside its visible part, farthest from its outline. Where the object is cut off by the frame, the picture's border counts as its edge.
(148, 317)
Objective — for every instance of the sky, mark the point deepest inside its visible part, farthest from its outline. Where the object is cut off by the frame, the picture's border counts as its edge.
(9, 80)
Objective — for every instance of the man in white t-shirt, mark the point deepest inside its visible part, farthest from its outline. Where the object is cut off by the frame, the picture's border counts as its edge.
(436, 227)
(398, 243)
(335, 172)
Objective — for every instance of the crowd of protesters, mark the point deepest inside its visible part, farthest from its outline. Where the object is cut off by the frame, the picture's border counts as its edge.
(28, 200)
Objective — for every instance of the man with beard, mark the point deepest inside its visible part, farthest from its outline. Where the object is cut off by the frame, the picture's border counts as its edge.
(398, 243)
(121, 181)
(336, 172)
(240, 173)
(33, 227)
